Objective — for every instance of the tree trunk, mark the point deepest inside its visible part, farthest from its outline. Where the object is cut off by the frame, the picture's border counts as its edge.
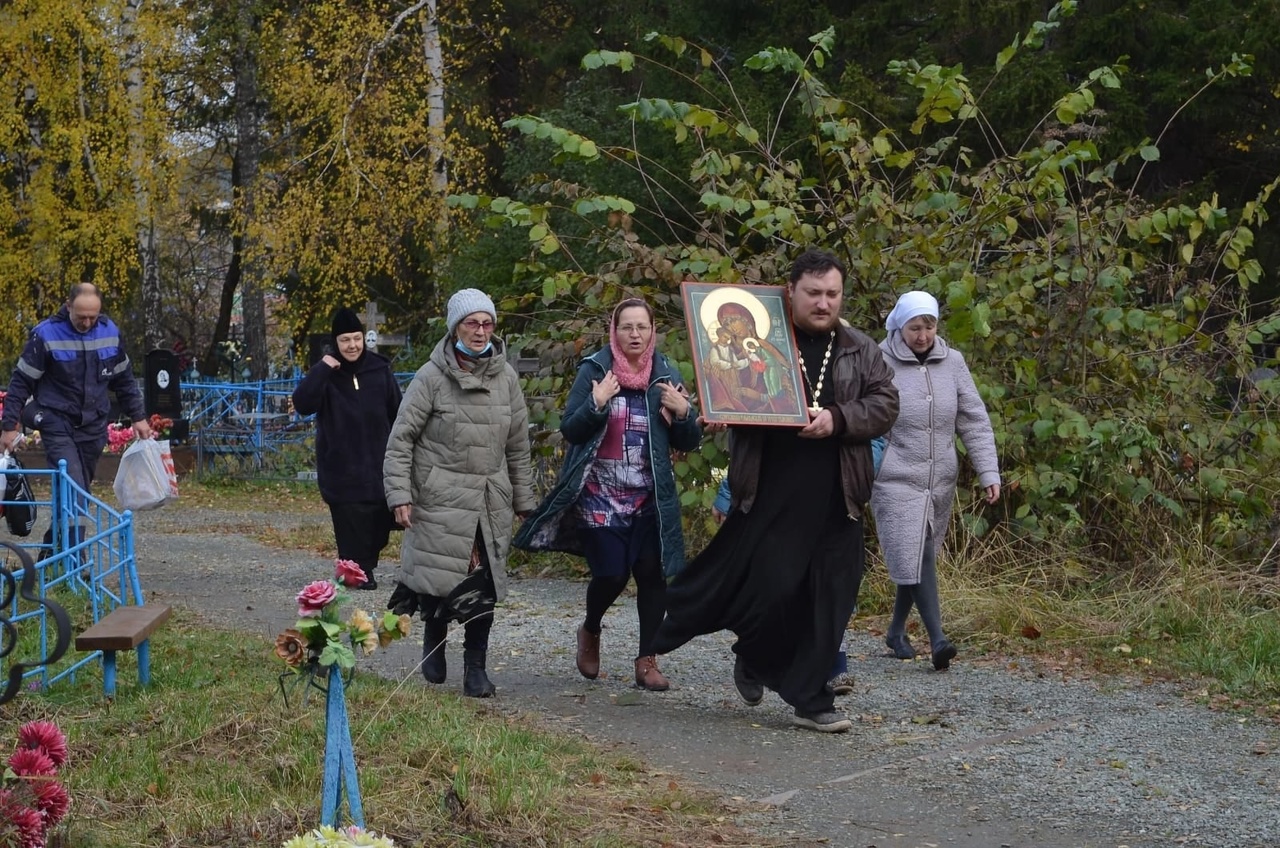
(153, 335)
(434, 55)
(248, 154)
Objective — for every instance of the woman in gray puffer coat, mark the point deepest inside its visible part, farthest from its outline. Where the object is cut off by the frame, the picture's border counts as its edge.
(916, 483)
(456, 475)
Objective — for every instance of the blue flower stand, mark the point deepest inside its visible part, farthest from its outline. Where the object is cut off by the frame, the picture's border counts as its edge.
(339, 758)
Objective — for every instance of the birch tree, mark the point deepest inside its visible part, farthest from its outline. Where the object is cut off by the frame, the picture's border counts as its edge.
(433, 53)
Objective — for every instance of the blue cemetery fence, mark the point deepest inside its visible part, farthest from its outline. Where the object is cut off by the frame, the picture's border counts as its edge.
(244, 429)
(250, 429)
(92, 556)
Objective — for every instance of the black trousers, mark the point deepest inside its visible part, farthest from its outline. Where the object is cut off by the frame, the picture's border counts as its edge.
(62, 440)
(361, 530)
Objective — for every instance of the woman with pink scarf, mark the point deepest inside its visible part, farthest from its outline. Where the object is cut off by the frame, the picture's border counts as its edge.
(615, 500)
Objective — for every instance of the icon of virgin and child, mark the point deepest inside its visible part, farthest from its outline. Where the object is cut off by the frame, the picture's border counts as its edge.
(745, 372)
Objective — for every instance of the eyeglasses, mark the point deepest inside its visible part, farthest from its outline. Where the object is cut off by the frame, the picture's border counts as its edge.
(628, 329)
(487, 326)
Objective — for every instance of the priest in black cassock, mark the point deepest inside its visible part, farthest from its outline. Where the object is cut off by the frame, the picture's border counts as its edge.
(783, 570)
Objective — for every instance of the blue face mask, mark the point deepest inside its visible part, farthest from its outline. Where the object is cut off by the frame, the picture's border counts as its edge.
(466, 351)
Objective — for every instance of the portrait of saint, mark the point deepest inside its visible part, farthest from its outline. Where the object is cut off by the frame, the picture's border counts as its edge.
(744, 354)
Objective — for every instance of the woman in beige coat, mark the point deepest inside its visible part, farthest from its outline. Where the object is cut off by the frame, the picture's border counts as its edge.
(456, 475)
(916, 483)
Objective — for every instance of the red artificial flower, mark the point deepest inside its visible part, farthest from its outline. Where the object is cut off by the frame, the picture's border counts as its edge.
(314, 597)
(21, 821)
(28, 762)
(350, 574)
(44, 736)
(52, 800)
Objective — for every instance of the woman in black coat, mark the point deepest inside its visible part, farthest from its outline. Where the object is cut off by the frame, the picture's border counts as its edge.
(353, 393)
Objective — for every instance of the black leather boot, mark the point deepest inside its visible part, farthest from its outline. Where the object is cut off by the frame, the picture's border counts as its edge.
(433, 664)
(475, 683)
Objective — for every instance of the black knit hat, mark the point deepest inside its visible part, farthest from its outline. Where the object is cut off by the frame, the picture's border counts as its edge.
(345, 321)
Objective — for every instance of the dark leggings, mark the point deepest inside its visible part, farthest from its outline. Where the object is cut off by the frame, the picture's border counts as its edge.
(651, 599)
(923, 596)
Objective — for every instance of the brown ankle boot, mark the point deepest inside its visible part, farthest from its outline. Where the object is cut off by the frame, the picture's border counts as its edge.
(588, 653)
(648, 676)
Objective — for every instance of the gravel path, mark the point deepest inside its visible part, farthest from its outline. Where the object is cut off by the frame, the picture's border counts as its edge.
(989, 754)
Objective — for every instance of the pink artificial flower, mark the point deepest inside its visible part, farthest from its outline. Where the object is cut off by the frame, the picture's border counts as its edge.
(350, 574)
(52, 800)
(44, 736)
(28, 762)
(28, 823)
(314, 597)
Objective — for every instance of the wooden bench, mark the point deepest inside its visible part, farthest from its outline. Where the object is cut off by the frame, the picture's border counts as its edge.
(125, 628)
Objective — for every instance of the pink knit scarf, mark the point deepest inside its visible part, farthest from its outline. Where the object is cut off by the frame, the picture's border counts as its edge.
(631, 377)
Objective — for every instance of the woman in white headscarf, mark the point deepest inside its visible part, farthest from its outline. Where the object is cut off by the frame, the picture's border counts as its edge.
(916, 484)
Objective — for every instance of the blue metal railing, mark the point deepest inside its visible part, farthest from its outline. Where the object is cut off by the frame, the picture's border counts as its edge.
(92, 555)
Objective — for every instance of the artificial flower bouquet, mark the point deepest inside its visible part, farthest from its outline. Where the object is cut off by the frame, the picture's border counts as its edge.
(32, 801)
(321, 638)
(347, 837)
(120, 435)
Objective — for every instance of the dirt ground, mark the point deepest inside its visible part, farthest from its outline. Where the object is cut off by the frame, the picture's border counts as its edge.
(993, 753)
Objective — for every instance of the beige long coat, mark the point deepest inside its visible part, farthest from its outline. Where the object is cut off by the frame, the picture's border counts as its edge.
(916, 484)
(459, 454)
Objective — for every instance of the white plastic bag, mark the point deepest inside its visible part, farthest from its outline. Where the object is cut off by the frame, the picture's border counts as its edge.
(147, 478)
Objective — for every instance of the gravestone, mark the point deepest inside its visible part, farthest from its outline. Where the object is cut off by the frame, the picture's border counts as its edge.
(162, 391)
(372, 320)
(318, 344)
(162, 385)
(373, 337)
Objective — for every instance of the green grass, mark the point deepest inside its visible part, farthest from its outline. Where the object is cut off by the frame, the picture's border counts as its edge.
(211, 755)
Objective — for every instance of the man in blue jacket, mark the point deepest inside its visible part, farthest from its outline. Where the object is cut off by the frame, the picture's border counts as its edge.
(61, 382)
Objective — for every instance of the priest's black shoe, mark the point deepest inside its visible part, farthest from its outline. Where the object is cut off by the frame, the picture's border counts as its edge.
(751, 691)
(827, 721)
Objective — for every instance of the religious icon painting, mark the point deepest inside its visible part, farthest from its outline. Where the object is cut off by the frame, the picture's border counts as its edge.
(744, 354)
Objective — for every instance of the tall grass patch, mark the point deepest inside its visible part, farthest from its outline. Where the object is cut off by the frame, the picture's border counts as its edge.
(1188, 614)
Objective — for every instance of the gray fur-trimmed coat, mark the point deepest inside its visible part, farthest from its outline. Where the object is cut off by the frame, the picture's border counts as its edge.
(459, 454)
(916, 484)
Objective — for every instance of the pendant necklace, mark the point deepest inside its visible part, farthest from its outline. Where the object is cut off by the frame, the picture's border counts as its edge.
(816, 389)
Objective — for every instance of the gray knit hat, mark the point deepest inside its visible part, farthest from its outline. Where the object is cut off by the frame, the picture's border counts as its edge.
(464, 303)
